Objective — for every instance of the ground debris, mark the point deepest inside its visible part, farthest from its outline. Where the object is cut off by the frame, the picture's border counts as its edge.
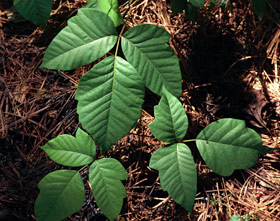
(240, 79)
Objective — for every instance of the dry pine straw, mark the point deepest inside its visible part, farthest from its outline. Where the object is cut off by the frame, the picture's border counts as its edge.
(37, 105)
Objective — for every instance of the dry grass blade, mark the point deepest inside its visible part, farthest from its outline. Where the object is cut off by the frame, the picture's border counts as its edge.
(37, 105)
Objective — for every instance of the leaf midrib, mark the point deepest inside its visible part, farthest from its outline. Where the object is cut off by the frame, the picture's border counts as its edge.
(216, 142)
(111, 98)
(150, 61)
(62, 192)
(81, 46)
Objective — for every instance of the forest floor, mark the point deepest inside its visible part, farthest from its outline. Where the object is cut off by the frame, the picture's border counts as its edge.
(230, 68)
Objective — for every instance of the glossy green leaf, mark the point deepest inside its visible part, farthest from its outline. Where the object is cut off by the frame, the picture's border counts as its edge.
(227, 145)
(171, 121)
(71, 151)
(91, 4)
(259, 7)
(197, 3)
(109, 7)
(36, 11)
(145, 48)
(105, 177)
(177, 173)
(61, 194)
(88, 36)
(110, 98)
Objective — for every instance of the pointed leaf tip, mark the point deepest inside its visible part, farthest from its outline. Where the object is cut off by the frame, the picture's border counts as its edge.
(88, 36)
(105, 177)
(177, 173)
(171, 121)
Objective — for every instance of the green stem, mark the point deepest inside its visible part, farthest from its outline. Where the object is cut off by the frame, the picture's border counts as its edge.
(83, 168)
(118, 42)
(183, 141)
(190, 140)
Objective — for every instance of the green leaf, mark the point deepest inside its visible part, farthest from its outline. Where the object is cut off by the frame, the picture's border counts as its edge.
(227, 145)
(259, 7)
(145, 48)
(36, 11)
(197, 3)
(91, 4)
(88, 37)
(177, 173)
(105, 177)
(61, 194)
(70, 151)
(171, 121)
(110, 98)
(236, 218)
(109, 7)
(178, 5)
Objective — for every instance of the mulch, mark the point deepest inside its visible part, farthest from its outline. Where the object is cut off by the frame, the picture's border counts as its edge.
(230, 68)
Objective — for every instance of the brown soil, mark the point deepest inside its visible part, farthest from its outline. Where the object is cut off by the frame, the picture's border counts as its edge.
(230, 68)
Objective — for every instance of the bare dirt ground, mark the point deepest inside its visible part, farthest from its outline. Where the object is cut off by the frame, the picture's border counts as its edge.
(230, 68)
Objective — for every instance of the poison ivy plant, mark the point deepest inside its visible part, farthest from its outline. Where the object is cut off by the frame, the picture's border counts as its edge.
(62, 192)
(225, 145)
(110, 95)
(110, 98)
(36, 11)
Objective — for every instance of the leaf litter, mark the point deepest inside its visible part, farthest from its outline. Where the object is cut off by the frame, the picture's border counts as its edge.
(38, 104)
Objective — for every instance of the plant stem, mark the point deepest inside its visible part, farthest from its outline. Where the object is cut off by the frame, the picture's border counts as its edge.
(83, 168)
(190, 140)
(119, 38)
(183, 141)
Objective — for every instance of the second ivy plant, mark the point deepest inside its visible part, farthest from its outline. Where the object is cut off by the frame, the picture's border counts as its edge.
(110, 98)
